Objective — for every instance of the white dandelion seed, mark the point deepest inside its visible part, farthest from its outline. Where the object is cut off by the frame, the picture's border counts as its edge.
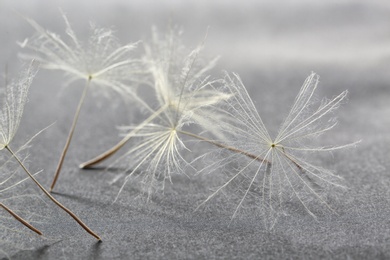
(100, 61)
(278, 168)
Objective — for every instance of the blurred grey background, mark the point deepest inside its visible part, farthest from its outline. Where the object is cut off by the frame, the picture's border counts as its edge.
(273, 45)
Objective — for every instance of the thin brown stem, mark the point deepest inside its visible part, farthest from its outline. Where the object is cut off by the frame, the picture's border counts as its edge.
(301, 169)
(70, 135)
(230, 148)
(81, 223)
(20, 219)
(121, 143)
(292, 160)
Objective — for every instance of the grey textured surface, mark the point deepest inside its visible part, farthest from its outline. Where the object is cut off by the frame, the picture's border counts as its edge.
(273, 46)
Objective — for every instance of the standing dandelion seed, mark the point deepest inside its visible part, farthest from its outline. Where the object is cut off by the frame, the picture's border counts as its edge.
(288, 170)
(100, 61)
(11, 113)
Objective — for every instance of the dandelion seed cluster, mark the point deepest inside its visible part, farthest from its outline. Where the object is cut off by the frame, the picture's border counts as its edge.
(188, 104)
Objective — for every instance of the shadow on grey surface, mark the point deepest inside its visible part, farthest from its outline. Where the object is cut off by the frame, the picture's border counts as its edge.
(82, 200)
(39, 253)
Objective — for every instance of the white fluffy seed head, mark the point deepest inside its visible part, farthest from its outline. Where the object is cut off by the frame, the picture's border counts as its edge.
(99, 58)
(280, 169)
(14, 99)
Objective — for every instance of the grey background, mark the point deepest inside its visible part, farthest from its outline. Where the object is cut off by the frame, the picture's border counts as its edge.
(273, 45)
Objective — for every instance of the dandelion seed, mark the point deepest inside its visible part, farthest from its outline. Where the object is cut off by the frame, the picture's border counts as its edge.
(100, 61)
(288, 171)
(10, 116)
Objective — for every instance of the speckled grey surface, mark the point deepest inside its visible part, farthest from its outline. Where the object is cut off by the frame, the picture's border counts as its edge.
(273, 46)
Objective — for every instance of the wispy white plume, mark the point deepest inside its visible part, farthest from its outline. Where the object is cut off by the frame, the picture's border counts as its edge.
(278, 169)
(14, 99)
(179, 78)
(101, 58)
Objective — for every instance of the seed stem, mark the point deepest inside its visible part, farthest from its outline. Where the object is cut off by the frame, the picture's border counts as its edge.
(121, 143)
(292, 160)
(70, 135)
(230, 148)
(20, 219)
(81, 223)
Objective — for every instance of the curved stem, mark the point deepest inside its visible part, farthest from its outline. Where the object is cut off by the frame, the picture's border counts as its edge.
(81, 223)
(20, 219)
(291, 159)
(122, 142)
(230, 148)
(70, 135)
